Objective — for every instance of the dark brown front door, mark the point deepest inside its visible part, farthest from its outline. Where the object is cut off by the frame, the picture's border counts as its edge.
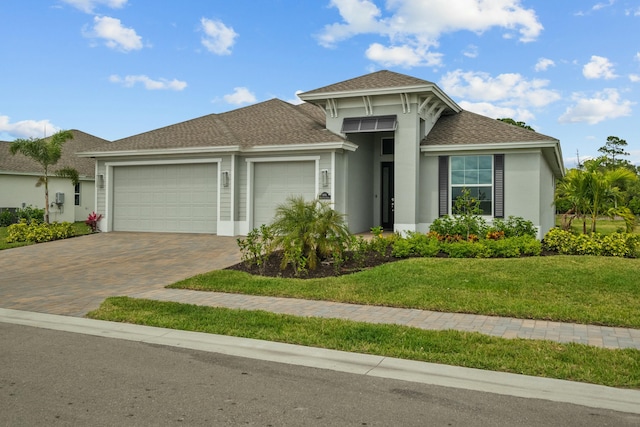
(387, 197)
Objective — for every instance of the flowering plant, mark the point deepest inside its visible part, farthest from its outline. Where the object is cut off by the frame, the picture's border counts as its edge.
(92, 221)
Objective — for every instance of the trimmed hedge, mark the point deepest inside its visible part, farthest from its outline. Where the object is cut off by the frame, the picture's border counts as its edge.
(38, 232)
(616, 244)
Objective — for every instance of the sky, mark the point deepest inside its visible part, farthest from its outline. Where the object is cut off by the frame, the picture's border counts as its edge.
(115, 68)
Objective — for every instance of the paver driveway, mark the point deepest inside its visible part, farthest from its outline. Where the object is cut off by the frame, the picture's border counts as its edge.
(74, 276)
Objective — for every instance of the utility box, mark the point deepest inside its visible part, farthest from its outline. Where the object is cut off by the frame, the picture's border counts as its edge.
(59, 199)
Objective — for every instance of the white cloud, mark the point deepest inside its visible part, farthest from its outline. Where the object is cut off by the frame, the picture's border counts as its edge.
(599, 68)
(599, 6)
(115, 35)
(507, 90)
(27, 128)
(543, 64)
(88, 6)
(635, 78)
(150, 84)
(471, 51)
(604, 105)
(296, 100)
(240, 95)
(413, 27)
(402, 56)
(218, 37)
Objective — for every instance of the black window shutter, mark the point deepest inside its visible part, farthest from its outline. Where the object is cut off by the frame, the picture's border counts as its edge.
(443, 185)
(498, 186)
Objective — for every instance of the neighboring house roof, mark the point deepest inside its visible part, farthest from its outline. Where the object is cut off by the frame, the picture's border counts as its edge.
(471, 128)
(378, 80)
(81, 141)
(267, 123)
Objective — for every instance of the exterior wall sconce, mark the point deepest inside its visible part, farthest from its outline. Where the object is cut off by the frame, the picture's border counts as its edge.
(225, 178)
(325, 177)
(100, 181)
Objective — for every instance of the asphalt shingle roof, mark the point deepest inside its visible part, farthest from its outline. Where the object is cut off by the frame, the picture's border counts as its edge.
(470, 128)
(81, 142)
(272, 122)
(378, 80)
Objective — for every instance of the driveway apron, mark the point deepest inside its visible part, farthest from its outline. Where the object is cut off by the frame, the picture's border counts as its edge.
(73, 276)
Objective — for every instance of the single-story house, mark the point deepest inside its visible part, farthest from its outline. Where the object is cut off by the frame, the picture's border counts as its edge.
(19, 175)
(386, 149)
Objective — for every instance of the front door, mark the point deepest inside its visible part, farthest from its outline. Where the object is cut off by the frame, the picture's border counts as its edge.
(387, 197)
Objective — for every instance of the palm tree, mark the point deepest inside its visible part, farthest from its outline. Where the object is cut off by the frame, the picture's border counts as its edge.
(309, 231)
(593, 191)
(46, 152)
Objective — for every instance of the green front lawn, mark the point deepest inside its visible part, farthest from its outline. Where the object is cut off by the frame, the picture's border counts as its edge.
(581, 289)
(575, 362)
(80, 229)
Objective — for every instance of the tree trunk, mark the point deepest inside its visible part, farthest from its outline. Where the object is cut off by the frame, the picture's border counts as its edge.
(46, 200)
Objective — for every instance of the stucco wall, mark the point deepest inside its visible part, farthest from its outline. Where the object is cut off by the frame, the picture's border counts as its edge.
(18, 189)
(359, 186)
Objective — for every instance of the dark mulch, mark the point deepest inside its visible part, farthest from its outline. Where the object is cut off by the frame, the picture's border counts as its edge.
(325, 269)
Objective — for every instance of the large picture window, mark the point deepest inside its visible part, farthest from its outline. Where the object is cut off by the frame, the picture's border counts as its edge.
(474, 173)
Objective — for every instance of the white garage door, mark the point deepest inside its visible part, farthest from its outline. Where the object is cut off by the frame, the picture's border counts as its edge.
(166, 198)
(274, 182)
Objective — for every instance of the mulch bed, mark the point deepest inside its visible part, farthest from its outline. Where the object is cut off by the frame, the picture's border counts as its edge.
(324, 269)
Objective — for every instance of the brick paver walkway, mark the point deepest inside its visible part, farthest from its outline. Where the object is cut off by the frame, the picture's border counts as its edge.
(504, 327)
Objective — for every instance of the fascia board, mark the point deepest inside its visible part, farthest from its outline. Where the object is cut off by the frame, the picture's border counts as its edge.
(541, 145)
(384, 91)
(161, 151)
(349, 146)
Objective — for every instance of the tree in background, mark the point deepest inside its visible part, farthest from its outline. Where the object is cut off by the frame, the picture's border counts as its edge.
(46, 152)
(593, 190)
(513, 122)
(614, 147)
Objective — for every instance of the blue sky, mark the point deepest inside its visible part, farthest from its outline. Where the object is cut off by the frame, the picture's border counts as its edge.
(115, 68)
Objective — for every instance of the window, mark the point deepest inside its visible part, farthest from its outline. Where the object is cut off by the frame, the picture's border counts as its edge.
(387, 146)
(475, 173)
(76, 195)
(482, 175)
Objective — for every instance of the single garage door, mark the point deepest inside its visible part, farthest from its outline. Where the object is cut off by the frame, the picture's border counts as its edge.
(274, 182)
(165, 198)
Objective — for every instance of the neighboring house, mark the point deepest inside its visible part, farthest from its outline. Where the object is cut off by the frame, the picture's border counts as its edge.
(19, 175)
(386, 149)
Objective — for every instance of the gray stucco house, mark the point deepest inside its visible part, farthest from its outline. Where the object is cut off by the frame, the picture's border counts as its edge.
(386, 149)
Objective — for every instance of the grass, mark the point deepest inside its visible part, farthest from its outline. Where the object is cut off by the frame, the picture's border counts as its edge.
(80, 228)
(575, 362)
(580, 289)
(604, 225)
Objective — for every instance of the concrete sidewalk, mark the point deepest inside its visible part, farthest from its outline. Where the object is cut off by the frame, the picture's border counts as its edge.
(504, 327)
(589, 395)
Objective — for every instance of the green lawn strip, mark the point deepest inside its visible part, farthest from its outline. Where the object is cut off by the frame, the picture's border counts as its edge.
(575, 362)
(580, 289)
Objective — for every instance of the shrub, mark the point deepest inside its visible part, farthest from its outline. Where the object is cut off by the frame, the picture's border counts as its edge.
(256, 248)
(514, 226)
(7, 218)
(30, 213)
(615, 244)
(456, 228)
(308, 232)
(358, 248)
(92, 221)
(464, 249)
(37, 232)
(415, 245)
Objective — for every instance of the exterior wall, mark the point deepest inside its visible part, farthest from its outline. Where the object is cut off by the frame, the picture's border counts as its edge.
(87, 200)
(16, 190)
(528, 188)
(359, 181)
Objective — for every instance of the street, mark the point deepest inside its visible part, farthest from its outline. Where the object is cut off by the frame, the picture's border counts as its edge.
(59, 378)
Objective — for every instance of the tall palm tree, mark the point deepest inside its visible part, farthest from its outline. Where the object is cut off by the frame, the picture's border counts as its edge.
(46, 152)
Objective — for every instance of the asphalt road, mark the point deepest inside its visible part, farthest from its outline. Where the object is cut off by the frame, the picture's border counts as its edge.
(50, 377)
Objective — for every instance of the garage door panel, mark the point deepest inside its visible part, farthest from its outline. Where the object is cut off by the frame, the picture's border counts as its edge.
(275, 182)
(165, 198)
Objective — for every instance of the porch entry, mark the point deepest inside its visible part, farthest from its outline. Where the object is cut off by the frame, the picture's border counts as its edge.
(386, 195)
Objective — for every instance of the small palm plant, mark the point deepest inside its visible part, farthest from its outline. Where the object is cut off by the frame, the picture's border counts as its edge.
(308, 232)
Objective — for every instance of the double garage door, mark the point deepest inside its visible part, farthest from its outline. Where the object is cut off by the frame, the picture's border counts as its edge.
(274, 182)
(178, 198)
